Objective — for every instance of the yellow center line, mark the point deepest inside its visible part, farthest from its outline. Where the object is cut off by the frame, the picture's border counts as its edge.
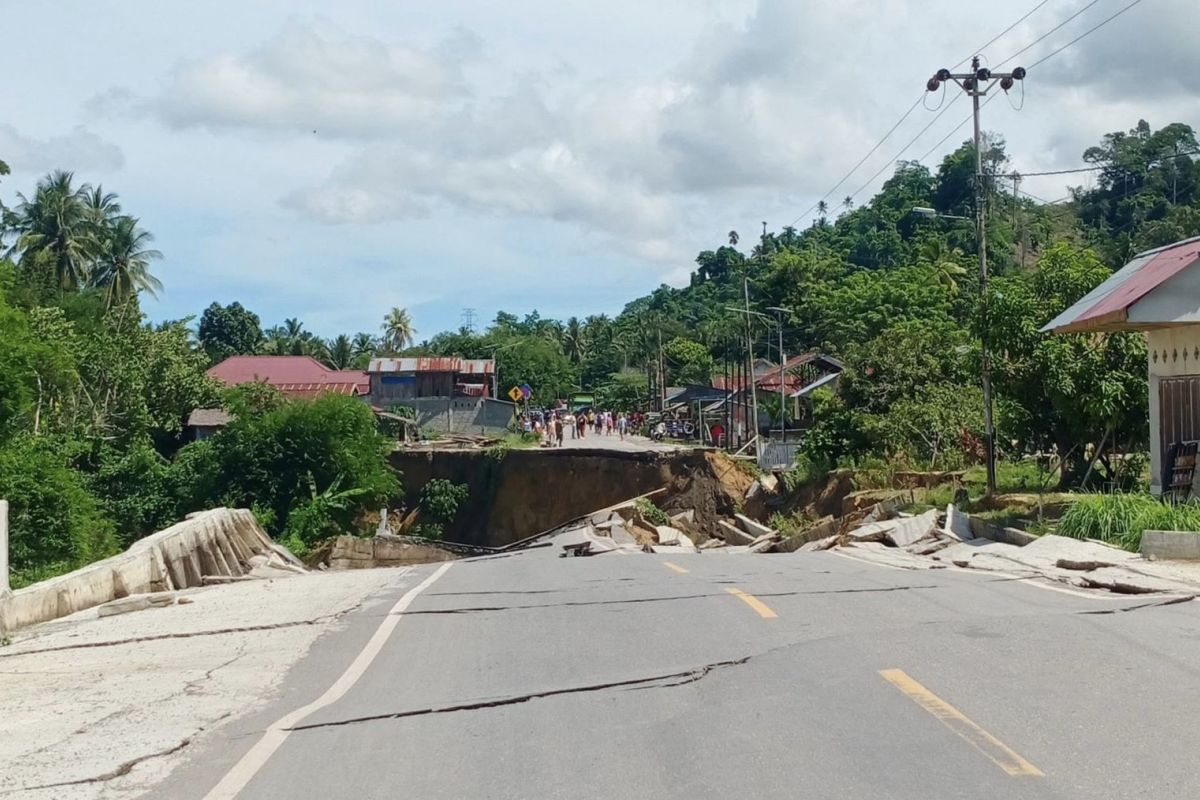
(762, 608)
(675, 567)
(1000, 753)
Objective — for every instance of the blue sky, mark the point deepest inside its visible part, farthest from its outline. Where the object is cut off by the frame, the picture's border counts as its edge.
(329, 161)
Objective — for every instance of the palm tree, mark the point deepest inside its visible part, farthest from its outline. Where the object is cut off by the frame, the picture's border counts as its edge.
(848, 202)
(822, 211)
(944, 262)
(362, 350)
(340, 352)
(573, 344)
(733, 238)
(398, 331)
(123, 260)
(102, 207)
(54, 228)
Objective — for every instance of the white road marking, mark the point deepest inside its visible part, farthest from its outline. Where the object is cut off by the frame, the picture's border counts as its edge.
(244, 771)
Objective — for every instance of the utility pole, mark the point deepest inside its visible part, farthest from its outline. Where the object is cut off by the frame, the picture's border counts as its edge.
(662, 373)
(4, 584)
(779, 313)
(976, 84)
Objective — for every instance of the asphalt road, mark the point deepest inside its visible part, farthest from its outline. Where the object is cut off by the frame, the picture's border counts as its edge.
(719, 676)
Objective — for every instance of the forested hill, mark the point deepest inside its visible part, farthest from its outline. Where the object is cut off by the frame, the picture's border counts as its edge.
(896, 295)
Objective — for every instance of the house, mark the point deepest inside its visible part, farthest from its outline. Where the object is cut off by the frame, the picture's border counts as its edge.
(447, 394)
(204, 422)
(399, 379)
(295, 376)
(1158, 293)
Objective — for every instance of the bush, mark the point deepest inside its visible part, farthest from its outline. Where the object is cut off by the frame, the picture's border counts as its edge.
(652, 513)
(1119, 519)
(323, 458)
(441, 498)
(55, 523)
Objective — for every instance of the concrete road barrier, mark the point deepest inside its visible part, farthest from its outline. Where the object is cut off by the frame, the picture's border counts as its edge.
(1171, 545)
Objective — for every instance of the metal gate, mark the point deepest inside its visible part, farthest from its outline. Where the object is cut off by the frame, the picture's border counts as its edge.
(1178, 411)
(777, 455)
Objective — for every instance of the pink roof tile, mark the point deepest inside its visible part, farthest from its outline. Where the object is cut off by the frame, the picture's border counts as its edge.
(292, 374)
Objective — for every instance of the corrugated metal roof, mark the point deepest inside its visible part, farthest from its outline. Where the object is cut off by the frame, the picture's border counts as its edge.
(285, 370)
(1106, 308)
(348, 388)
(209, 418)
(464, 366)
(825, 380)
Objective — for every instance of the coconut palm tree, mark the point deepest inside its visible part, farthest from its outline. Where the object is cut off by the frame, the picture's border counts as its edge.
(102, 206)
(54, 229)
(398, 331)
(944, 261)
(848, 202)
(733, 238)
(573, 341)
(123, 260)
(340, 351)
(822, 212)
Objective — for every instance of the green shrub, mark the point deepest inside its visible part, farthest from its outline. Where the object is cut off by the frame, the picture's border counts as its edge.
(55, 523)
(1119, 519)
(440, 500)
(652, 513)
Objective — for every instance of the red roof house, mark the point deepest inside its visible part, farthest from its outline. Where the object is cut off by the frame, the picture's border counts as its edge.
(297, 376)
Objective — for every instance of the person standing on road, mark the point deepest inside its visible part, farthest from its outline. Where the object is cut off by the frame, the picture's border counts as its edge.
(622, 425)
(558, 430)
(581, 423)
(569, 421)
(591, 420)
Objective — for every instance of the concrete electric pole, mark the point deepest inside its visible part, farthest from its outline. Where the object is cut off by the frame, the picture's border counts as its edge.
(976, 84)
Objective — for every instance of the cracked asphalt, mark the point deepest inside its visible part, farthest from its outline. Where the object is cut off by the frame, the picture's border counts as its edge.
(618, 677)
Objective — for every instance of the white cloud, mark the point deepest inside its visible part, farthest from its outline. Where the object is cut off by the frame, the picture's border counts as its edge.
(317, 78)
(78, 150)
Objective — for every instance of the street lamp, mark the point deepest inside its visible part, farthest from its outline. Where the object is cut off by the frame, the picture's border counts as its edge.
(989, 428)
(779, 312)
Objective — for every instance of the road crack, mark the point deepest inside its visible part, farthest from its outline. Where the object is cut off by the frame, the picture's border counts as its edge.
(665, 599)
(193, 634)
(664, 680)
(1171, 601)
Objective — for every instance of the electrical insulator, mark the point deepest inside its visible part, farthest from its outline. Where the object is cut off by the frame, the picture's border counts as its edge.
(1019, 73)
(943, 74)
(1006, 83)
(969, 84)
(983, 74)
(932, 85)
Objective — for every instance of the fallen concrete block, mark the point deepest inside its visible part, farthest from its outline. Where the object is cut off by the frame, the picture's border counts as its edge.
(823, 528)
(751, 527)
(713, 544)
(1123, 581)
(911, 530)
(732, 534)
(667, 535)
(872, 531)
(927, 547)
(958, 524)
(1171, 545)
(136, 602)
(819, 544)
(687, 517)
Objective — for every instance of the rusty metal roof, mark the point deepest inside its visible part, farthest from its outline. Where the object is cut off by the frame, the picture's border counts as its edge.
(462, 366)
(1106, 308)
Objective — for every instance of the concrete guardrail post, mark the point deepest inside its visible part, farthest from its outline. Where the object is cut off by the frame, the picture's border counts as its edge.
(4, 584)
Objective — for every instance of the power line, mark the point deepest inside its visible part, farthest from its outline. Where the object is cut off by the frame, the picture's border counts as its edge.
(1100, 166)
(995, 38)
(1048, 33)
(908, 113)
(904, 149)
(862, 160)
(1088, 32)
(953, 131)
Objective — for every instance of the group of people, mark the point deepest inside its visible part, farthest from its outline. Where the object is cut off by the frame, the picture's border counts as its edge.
(553, 426)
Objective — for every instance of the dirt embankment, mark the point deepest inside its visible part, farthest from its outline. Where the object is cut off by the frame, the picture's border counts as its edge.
(519, 493)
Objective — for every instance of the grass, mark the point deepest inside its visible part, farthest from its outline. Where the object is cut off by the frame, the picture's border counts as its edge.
(787, 524)
(1119, 519)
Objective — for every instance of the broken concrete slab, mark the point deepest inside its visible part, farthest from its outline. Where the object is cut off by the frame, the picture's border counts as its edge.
(752, 527)
(667, 535)
(926, 547)
(910, 530)
(713, 544)
(136, 602)
(822, 529)
(819, 544)
(872, 531)
(686, 517)
(958, 524)
(732, 534)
